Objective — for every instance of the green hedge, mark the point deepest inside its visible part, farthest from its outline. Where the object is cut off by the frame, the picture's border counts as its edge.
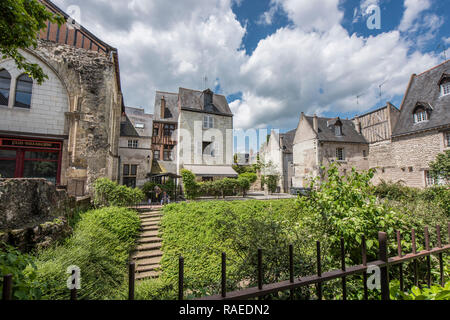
(109, 193)
(100, 246)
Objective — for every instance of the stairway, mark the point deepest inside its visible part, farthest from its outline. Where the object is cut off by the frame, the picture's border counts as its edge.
(148, 251)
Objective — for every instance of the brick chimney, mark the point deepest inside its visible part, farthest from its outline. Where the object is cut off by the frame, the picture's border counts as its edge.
(163, 107)
(316, 123)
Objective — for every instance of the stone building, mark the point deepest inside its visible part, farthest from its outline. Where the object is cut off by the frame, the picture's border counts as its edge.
(193, 130)
(322, 141)
(67, 129)
(423, 127)
(377, 127)
(279, 151)
(165, 124)
(135, 156)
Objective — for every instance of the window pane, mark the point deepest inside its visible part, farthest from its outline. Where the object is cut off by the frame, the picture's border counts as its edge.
(5, 83)
(7, 168)
(133, 170)
(41, 155)
(40, 169)
(7, 154)
(126, 169)
(23, 91)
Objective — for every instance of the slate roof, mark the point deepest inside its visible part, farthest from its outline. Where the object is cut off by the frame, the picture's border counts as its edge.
(171, 105)
(287, 141)
(327, 132)
(127, 129)
(193, 100)
(425, 88)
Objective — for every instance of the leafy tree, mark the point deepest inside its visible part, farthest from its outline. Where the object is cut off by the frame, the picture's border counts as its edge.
(440, 168)
(20, 23)
(189, 183)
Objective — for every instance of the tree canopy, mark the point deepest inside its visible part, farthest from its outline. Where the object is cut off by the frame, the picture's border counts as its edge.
(20, 24)
(440, 168)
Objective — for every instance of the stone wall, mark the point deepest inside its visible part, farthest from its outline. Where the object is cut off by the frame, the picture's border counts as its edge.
(80, 103)
(33, 213)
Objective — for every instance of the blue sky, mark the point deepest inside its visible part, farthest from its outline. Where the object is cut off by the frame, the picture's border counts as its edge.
(272, 59)
(250, 12)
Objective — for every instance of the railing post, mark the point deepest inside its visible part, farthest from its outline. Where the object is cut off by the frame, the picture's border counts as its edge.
(364, 263)
(180, 278)
(224, 274)
(414, 251)
(291, 269)
(319, 271)
(399, 252)
(7, 287)
(131, 280)
(344, 279)
(427, 247)
(441, 262)
(260, 271)
(383, 256)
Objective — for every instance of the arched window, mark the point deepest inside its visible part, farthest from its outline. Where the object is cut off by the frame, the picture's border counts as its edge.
(23, 91)
(5, 84)
(420, 115)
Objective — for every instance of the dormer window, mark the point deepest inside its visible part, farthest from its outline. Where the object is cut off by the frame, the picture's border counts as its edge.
(444, 83)
(338, 130)
(420, 115)
(445, 88)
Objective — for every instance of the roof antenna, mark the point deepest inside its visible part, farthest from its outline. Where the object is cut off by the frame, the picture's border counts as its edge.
(381, 93)
(444, 50)
(205, 81)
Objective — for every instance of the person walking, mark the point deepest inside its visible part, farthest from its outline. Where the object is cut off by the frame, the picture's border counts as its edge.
(158, 191)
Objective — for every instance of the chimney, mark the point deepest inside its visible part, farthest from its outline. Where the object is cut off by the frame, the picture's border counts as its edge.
(358, 125)
(163, 107)
(316, 124)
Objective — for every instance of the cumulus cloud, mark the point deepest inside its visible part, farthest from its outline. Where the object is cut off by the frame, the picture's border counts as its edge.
(314, 65)
(310, 15)
(413, 9)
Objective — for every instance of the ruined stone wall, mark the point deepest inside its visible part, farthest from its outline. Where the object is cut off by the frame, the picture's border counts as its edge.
(93, 120)
(33, 213)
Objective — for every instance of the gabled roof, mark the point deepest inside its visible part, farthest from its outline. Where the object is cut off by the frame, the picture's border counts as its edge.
(171, 104)
(193, 100)
(127, 129)
(424, 89)
(72, 34)
(327, 130)
(287, 141)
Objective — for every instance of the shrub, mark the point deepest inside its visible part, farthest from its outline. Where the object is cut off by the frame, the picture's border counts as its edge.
(272, 183)
(189, 183)
(434, 293)
(252, 177)
(22, 267)
(244, 184)
(395, 191)
(100, 246)
(109, 193)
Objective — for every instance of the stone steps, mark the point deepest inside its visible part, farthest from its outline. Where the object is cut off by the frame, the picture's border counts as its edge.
(147, 275)
(148, 252)
(144, 240)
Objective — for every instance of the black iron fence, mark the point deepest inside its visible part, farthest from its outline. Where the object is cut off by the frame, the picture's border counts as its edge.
(383, 262)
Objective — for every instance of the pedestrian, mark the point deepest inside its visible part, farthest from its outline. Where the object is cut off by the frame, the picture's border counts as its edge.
(158, 191)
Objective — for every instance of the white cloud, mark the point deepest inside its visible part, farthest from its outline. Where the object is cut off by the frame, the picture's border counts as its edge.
(313, 66)
(312, 15)
(413, 9)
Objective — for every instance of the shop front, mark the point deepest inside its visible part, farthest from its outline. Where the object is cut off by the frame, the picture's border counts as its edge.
(30, 158)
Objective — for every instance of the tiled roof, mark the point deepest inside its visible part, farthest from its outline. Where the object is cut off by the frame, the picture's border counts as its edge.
(171, 104)
(193, 100)
(127, 129)
(287, 141)
(327, 131)
(425, 89)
